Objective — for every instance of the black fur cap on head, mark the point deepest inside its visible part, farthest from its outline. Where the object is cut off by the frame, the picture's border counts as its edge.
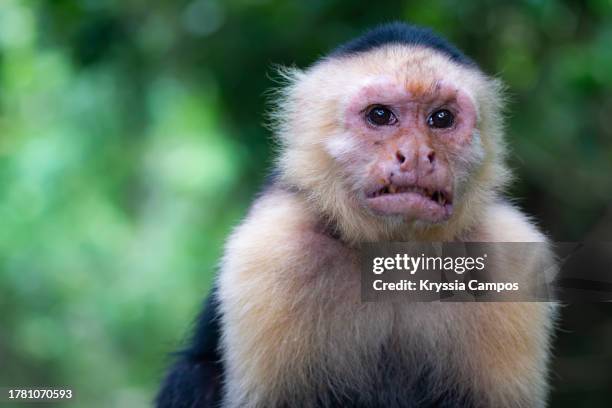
(400, 33)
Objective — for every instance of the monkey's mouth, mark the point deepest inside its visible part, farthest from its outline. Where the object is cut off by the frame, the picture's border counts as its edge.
(427, 203)
(438, 196)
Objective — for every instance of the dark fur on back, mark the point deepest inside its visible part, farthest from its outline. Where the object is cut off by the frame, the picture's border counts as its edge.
(195, 379)
(400, 33)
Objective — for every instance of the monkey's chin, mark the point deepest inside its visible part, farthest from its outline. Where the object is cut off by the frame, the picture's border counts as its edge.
(412, 206)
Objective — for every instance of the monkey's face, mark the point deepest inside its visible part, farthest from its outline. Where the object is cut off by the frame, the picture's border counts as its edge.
(398, 134)
(408, 146)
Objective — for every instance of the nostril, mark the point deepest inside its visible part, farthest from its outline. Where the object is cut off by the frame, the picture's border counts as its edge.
(431, 157)
(400, 157)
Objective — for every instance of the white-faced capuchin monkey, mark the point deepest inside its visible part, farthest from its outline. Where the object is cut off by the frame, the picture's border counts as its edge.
(393, 136)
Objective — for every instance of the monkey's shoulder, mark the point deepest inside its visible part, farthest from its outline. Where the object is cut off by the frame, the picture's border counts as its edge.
(281, 223)
(503, 222)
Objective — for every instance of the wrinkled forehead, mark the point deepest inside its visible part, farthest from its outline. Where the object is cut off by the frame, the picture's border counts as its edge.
(415, 72)
(391, 91)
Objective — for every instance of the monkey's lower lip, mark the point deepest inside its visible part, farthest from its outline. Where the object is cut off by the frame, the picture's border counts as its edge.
(421, 203)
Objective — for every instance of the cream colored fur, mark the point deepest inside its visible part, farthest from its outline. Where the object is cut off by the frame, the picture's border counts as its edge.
(292, 321)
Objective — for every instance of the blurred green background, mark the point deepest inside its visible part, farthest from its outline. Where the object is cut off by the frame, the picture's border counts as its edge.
(131, 141)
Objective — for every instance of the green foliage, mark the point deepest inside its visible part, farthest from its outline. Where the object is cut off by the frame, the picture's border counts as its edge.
(131, 140)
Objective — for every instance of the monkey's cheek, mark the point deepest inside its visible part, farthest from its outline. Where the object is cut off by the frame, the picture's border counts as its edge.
(411, 206)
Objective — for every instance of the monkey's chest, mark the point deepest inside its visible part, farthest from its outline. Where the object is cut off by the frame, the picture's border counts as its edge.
(385, 358)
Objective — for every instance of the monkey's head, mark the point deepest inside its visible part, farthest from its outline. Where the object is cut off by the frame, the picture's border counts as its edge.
(394, 131)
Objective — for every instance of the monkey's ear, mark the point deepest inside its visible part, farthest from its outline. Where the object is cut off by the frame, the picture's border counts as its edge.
(286, 75)
(496, 94)
(278, 97)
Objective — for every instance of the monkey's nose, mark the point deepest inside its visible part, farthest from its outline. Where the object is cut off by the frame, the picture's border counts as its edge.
(424, 160)
(431, 156)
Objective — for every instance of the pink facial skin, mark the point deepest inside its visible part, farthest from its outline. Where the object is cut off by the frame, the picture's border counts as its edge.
(409, 165)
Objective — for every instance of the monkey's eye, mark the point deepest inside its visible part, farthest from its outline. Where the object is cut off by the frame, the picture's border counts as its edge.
(441, 119)
(381, 116)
